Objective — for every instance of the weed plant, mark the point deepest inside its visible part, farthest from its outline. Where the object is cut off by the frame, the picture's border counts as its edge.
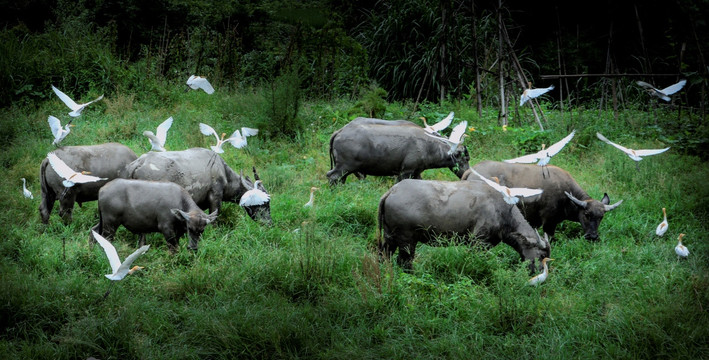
(312, 286)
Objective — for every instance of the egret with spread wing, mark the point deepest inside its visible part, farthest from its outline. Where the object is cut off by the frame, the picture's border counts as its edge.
(200, 82)
(237, 138)
(120, 269)
(75, 108)
(254, 197)
(544, 156)
(70, 176)
(57, 130)
(510, 195)
(530, 93)
(157, 141)
(633, 154)
(439, 126)
(665, 93)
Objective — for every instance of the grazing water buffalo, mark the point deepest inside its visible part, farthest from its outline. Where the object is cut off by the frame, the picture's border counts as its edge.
(151, 206)
(415, 211)
(205, 176)
(369, 148)
(562, 199)
(105, 161)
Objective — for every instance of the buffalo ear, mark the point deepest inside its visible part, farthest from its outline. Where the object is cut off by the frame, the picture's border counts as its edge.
(606, 200)
(181, 215)
(211, 217)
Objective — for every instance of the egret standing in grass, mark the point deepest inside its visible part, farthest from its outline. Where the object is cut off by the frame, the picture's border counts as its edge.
(680, 249)
(633, 154)
(530, 93)
(538, 279)
(56, 126)
(75, 108)
(665, 93)
(309, 204)
(25, 191)
(237, 138)
(439, 126)
(510, 195)
(662, 227)
(157, 141)
(200, 82)
(120, 269)
(543, 157)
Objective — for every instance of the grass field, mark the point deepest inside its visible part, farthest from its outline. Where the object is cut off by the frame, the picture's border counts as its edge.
(252, 291)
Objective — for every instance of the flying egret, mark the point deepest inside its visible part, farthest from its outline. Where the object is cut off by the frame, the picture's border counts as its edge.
(158, 141)
(439, 126)
(633, 154)
(680, 249)
(56, 126)
(530, 93)
(665, 93)
(25, 191)
(254, 197)
(237, 139)
(309, 204)
(75, 108)
(200, 82)
(538, 279)
(455, 138)
(510, 195)
(70, 176)
(120, 269)
(544, 156)
(662, 228)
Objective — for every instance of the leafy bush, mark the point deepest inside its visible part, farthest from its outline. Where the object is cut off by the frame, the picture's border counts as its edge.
(282, 98)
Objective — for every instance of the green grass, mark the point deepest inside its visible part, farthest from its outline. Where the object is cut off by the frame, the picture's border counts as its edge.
(272, 292)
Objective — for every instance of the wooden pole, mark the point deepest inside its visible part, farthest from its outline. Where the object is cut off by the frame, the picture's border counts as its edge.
(478, 96)
(501, 65)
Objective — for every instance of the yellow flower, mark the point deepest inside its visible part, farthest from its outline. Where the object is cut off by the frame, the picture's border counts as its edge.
(504, 127)
(471, 129)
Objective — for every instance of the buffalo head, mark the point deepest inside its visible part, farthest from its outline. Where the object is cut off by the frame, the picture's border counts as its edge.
(461, 161)
(195, 221)
(591, 213)
(261, 211)
(533, 247)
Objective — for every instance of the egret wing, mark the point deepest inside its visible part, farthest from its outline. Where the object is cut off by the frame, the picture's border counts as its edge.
(93, 101)
(55, 125)
(131, 258)
(458, 131)
(648, 152)
(526, 159)
(248, 131)
(605, 140)
(208, 130)
(674, 88)
(532, 93)
(162, 130)
(525, 192)
(66, 99)
(59, 166)
(202, 83)
(554, 149)
(439, 126)
(80, 178)
(237, 140)
(109, 250)
(494, 185)
(645, 85)
(254, 197)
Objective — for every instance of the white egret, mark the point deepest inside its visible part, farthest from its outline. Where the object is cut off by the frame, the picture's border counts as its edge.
(25, 191)
(530, 93)
(200, 82)
(237, 139)
(538, 279)
(510, 195)
(75, 108)
(665, 93)
(633, 154)
(157, 141)
(439, 126)
(544, 156)
(120, 269)
(56, 126)
(312, 197)
(70, 176)
(455, 138)
(254, 197)
(662, 228)
(680, 249)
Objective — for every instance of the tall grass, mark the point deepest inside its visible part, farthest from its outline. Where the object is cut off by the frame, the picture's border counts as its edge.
(311, 285)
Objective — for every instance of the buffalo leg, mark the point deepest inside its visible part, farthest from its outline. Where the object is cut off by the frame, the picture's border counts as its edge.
(45, 207)
(406, 257)
(66, 207)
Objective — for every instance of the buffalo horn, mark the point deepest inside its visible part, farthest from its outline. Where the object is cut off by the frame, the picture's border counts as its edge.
(243, 182)
(611, 207)
(578, 202)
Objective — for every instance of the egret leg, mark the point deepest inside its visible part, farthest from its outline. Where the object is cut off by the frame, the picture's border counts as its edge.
(108, 291)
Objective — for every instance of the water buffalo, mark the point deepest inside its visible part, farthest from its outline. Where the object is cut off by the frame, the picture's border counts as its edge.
(369, 148)
(554, 205)
(205, 176)
(104, 161)
(151, 206)
(415, 211)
